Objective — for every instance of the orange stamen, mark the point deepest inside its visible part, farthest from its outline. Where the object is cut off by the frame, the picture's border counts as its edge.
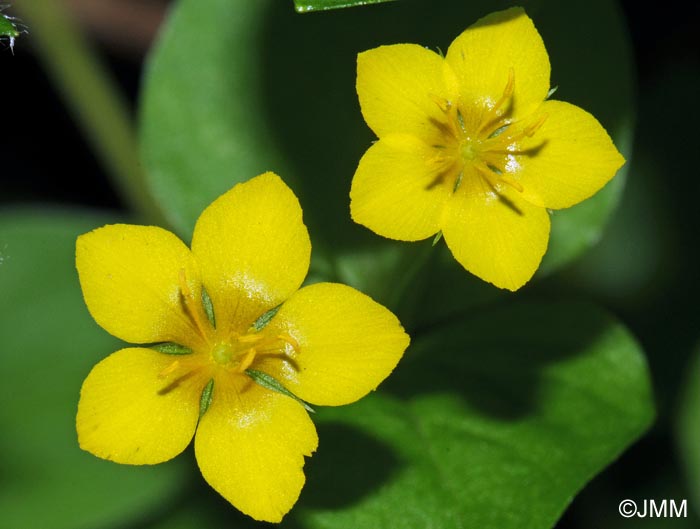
(193, 308)
(494, 178)
(247, 360)
(487, 173)
(291, 341)
(531, 129)
(493, 112)
(169, 370)
(512, 183)
(507, 91)
(503, 143)
(250, 338)
(443, 104)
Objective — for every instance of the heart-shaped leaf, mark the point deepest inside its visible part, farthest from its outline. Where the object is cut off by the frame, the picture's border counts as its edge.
(495, 423)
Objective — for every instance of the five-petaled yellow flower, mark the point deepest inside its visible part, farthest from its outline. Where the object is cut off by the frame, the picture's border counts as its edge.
(470, 145)
(327, 344)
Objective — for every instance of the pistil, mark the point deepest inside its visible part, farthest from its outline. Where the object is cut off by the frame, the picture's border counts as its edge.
(222, 353)
(240, 352)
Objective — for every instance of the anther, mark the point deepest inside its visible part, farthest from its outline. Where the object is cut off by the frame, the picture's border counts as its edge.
(529, 132)
(443, 104)
(290, 340)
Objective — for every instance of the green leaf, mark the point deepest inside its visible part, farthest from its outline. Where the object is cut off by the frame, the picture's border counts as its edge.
(495, 422)
(203, 508)
(217, 98)
(49, 345)
(689, 430)
(171, 348)
(303, 6)
(7, 27)
(273, 384)
(266, 89)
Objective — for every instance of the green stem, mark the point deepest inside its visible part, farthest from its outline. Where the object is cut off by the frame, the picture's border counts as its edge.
(89, 91)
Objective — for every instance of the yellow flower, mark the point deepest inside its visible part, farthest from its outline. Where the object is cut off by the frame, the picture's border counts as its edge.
(470, 145)
(328, 344)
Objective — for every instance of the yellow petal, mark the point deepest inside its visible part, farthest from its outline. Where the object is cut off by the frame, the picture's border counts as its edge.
(568, 159)
(500, 238)
(250, 446)
(397, 189)
(130, 281)
(483, 55)
(348, 343)
(252, 248)
(404, 88)
(129, 413)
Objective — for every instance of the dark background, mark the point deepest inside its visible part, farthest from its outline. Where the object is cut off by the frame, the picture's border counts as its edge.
(664, 36)
(39, 140)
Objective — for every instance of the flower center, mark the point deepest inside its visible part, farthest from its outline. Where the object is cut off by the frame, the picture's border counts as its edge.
(230, 349)
(469, 149)
(239, 352)
(233, 356)
(222, 353)
(489, 140)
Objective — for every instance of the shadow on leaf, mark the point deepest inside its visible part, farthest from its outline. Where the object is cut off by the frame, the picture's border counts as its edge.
(496, 358)
(348, 466)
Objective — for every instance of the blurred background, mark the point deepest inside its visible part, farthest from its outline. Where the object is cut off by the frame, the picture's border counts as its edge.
(644, 270)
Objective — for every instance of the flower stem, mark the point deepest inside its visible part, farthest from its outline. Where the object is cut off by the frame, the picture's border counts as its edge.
(91, 95)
